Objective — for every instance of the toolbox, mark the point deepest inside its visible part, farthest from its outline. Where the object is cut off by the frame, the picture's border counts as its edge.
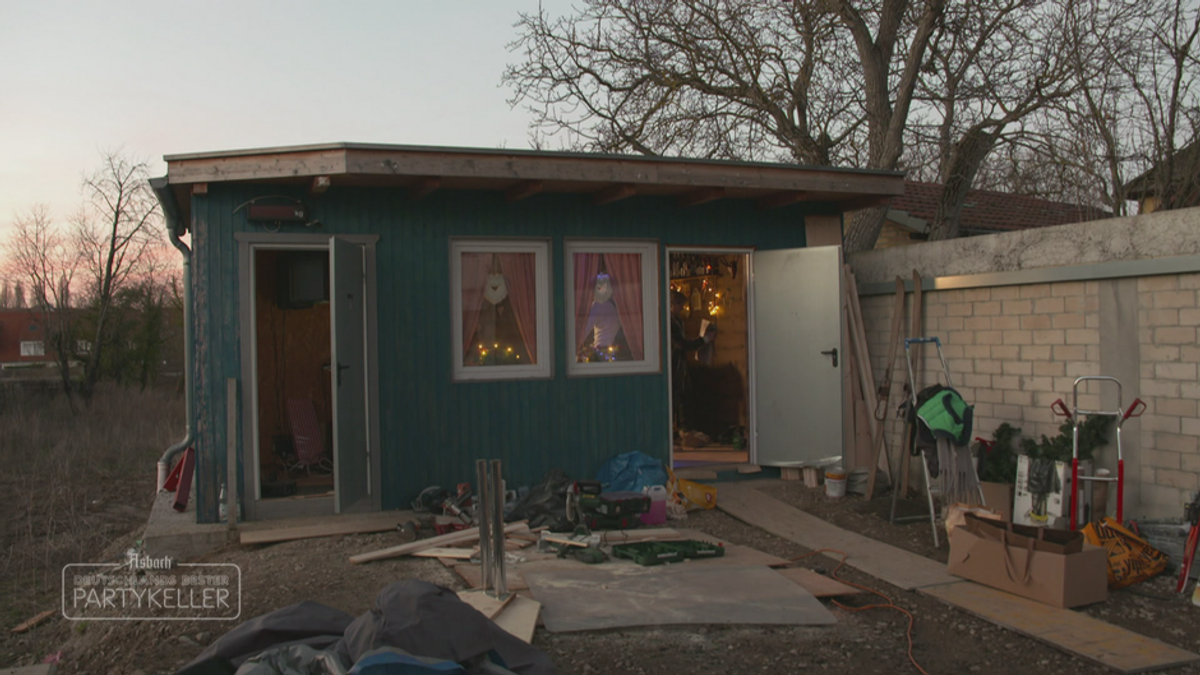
(617, 504)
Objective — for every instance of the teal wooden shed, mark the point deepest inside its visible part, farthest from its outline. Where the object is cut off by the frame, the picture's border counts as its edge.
(385, 315)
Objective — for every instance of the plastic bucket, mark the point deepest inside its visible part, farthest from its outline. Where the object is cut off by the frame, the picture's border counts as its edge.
(835, 482)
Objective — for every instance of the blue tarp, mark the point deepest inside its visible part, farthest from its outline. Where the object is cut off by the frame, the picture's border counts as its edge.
(631, 472)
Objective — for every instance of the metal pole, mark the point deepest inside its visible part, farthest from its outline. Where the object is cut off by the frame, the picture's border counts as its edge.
(497, 513)
(483, 521)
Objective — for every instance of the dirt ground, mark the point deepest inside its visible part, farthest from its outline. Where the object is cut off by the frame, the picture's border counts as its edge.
(870, 641)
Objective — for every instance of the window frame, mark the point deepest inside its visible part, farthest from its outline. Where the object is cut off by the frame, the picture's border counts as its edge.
(35, 348)
(650, 250)
(541, 249)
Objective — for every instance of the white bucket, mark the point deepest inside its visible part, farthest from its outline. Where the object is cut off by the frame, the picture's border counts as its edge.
(835, 482)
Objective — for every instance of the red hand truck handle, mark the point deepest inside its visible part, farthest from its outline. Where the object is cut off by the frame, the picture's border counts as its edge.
(985, 444)
(1135, 409)
(1059, 408)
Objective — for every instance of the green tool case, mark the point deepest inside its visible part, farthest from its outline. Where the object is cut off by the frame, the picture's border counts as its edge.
(649, 553)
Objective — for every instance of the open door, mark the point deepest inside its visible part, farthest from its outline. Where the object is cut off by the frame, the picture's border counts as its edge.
(797, 358)
(347, 307)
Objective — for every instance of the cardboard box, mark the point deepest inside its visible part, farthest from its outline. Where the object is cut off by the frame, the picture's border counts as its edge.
(999, 497)
(1060, 570)
(1054, 509)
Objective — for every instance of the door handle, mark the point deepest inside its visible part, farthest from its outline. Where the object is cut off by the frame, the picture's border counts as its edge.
(340, 368)
(833, 353)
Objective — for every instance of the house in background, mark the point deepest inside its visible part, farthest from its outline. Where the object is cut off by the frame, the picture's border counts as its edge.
(403, 311)
(22, 340)
(1169, 186)
(985, 212)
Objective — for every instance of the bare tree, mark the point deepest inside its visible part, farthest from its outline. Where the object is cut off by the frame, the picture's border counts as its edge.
(19, 295)
(39, 252)
(6, 295)
(118, 240)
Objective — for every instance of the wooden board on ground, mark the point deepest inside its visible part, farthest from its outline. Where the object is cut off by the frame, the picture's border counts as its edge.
(612, 596)
(329, 526)
(467, 536)
(790, 473)
(486, 604)
(520, 617)
(445, 552)
(895, 566)
(819, 585)
(474, 577)
(34, 621)
(1074, 632)
(735, 554)
(695, 473)
(749, 468)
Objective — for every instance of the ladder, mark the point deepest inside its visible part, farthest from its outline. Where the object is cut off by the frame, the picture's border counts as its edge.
(957, 482)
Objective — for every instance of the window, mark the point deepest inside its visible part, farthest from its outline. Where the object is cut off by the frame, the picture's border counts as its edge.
(500, 292)
(33, 348)
(612, 307)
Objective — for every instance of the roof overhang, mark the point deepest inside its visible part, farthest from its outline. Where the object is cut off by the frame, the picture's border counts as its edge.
(521, 174)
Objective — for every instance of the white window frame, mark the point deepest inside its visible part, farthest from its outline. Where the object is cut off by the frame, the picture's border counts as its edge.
(543, 369)
(33, 348)
(651, 319)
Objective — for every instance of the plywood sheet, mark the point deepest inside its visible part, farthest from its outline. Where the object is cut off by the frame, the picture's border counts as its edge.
(618, 596)
(895, 566)
(1074, 632)
(486, 604)
(818, 584)
(520, 617)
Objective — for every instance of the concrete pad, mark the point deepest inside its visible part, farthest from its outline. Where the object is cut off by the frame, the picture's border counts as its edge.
(178, 535)
(620, 596)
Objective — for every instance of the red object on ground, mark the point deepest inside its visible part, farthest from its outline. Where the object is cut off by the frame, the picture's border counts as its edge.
(172, 481)
(187, 467)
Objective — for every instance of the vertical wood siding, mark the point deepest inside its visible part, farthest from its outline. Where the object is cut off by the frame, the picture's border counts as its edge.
(433, 429)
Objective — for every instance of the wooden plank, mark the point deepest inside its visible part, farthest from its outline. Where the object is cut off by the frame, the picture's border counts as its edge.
(232, 415)
(790, 473)
(693, 473)
(884, 391)
(519, 618)
(749, 468)
(448, 553)
(461, 537)
(895, 566)
(333, 526)
(471, 574)
(818, 584)
(27, 624)
(486, 604)
(1074, 632)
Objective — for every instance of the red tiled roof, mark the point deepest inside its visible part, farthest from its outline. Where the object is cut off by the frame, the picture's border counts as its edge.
(994, 211)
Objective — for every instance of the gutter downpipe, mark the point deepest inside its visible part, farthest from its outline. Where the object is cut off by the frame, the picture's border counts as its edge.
(171, 218)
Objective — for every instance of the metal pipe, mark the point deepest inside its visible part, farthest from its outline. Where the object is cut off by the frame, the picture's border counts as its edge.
(499, 580)
(483, 518)
(171, 218)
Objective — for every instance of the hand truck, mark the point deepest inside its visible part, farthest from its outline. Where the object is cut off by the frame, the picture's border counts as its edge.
(1074, 415)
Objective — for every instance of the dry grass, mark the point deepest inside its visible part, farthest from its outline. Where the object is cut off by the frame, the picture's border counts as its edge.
(72, 483)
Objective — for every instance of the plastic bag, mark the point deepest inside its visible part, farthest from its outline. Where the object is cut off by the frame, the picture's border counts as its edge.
(631, 472)
(690, 494)
(1130, 558)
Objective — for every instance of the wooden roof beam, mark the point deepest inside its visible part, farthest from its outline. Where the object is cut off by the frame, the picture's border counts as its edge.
(523, 190)
(319, 185)
(614, 193)
(779, 199)
(701, 196)
(423, 187)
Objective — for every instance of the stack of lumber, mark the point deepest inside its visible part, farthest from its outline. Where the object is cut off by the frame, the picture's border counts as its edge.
(454, 545)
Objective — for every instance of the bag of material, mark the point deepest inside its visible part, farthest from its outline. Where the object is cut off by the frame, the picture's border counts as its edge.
(690, 494)
(1130, 558)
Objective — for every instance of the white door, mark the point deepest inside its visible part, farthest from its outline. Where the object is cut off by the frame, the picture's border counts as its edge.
(797, 356)
(347, 315)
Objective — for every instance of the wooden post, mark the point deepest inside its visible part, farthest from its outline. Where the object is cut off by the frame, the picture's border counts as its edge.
(231, 455)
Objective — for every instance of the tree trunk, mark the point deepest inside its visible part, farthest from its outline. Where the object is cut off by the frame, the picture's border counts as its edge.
(968, 155)
(864, 230)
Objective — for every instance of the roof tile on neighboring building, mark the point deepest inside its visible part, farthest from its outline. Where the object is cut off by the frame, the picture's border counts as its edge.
(990, 211)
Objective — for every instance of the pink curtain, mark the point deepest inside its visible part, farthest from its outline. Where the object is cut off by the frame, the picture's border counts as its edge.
(587, 266)
(520, 273)
(625, 269)
(474, 278)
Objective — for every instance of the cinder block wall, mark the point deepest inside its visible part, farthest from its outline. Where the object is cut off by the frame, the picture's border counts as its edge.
(1015, 342)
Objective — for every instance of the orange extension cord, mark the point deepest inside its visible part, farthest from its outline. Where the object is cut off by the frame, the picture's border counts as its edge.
(888, 605)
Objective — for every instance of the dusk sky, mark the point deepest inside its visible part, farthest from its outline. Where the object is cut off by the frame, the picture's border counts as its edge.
(160, 78)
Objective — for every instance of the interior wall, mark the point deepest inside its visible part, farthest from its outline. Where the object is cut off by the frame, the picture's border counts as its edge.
(293, 359)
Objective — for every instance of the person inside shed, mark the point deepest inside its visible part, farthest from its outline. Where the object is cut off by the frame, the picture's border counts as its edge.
(680, 346)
